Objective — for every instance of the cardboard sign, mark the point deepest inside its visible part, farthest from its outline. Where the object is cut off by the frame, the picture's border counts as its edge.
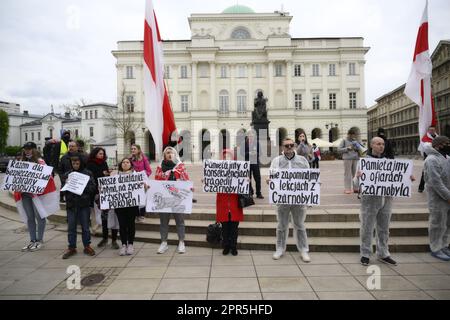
(122, 190)
(295, 187)
(169, 196)
(29, 177)
(225, 176)
(76, 183)
(385, 177)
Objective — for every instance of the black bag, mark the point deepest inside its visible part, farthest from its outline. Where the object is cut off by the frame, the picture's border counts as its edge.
(245, 200)
(214, 233)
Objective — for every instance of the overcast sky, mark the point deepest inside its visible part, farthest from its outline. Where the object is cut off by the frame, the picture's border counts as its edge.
(58, 51)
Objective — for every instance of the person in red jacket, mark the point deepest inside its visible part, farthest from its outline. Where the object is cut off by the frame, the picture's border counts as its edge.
(229, 214)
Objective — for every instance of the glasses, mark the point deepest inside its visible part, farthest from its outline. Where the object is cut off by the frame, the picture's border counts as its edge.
(289, 145)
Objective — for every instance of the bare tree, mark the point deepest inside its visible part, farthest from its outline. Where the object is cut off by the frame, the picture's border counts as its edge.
(74, 108)
(124, 117)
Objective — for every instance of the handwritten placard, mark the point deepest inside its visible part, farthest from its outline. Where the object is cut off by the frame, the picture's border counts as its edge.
(226, 176)
(29, 177)
(122, 190)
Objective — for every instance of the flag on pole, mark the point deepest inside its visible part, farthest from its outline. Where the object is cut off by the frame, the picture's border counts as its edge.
(418, 87)
(158, 114)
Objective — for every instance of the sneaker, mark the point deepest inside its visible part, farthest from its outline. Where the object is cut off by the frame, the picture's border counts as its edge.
(181, 247)
(348, 191)
(440, 255)
(130, 250)
(102, 243)
(446, 251)
(28, 246)
(89, 251)
(69, 252)
(420, 190)
(36, 246)
(278, 254)
(163, 247)
(123, 250)
(388, 260)
(305, 256)
(365, 261)
(115, 245)
(234, 251)
(226, 251)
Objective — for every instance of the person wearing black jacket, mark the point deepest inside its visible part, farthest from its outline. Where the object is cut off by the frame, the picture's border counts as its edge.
(388, 148)
(99, 167)
(252, 155)
(78, 209)
(65, 165)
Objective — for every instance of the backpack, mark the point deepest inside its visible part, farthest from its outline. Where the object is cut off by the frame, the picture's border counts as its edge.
(214, 233)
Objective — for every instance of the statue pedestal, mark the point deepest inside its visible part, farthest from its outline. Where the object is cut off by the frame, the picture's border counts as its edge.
(261, 128)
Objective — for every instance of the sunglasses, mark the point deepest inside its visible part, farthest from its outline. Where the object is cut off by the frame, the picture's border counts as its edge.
(289, 145)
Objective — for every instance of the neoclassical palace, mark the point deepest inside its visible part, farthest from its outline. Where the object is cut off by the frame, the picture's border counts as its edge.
(315, 85)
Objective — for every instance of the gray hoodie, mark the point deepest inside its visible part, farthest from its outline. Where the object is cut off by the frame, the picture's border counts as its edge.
(437, 175)
(348, 154)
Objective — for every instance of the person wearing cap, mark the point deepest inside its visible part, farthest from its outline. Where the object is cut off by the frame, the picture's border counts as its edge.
(34, 208)
(437, 180)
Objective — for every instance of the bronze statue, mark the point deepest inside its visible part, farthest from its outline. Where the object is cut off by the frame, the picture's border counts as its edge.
(260, 112)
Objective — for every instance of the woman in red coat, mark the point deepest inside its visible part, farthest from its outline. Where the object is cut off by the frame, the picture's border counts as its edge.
(229, 214)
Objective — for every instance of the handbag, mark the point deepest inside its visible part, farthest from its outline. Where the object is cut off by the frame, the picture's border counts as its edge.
(245, 200)
(214, 233)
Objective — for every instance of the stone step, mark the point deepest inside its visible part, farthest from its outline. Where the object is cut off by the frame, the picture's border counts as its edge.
(314, 229)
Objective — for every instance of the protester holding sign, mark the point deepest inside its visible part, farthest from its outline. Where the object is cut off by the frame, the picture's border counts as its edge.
(140, 163)
(99, 167)
(290, 160)
(78, 209)
(171, 169)
(375, 212)
(437, 181)
(65, 165)
(229, 214)
(36, 207)
(127, 215)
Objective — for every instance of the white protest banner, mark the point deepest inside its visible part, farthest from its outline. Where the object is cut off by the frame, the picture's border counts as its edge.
(226, 176)
(29, 177)
(169, 196)
(295, 186)
(122, 190)
(76, 183)
(385, 177)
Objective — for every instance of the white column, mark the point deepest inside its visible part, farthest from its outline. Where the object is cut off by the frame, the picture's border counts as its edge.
(174, 79)
(232, 93)
(361, 96)
(194, 86)
(212, 86)
(250, 95)
(307, 102)
(271, 95)
(324, 100)
(344, 93)
(289, 102)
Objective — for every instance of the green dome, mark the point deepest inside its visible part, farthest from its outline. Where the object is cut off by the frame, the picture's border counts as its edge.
(238, 9)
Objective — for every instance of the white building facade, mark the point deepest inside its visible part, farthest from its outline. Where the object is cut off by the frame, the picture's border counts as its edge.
(315, 85)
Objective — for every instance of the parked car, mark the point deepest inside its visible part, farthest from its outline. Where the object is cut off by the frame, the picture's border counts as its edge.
(4, 160)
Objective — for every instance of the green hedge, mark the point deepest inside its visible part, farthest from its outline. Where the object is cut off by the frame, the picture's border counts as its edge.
(12, 150)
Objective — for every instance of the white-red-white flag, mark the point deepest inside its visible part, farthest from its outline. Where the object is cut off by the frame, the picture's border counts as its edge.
(158, 114)
(418, 87)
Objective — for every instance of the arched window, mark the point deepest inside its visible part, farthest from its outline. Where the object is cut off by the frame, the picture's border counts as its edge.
(241, 101)
(223, 101)
(240, 33)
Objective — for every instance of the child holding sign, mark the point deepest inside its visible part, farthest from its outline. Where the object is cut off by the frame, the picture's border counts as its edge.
(171, 169)
(127, 216)
(78, 209)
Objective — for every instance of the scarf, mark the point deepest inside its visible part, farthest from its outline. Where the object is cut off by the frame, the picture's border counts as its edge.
(98, 161)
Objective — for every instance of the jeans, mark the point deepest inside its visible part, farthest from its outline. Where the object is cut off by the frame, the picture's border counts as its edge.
(164, 219)
(81, 215)
(127, 224)
(32, 217)
(298, 220)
